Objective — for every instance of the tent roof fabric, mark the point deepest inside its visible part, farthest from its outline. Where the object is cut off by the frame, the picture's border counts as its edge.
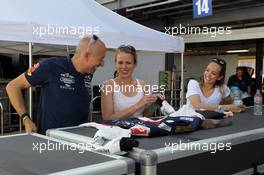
(64, 22)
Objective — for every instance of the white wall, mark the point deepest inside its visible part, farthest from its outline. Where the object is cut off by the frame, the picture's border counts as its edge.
(106, 72)
(195, 65)
(149, 65)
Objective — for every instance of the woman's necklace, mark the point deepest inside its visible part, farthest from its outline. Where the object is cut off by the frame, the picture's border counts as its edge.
(207, 92)
(129, 82)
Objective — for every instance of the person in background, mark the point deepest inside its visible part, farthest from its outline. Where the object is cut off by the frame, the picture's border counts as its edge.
(241, 80)
(65, 87)
(250, 72)
(211, 93)
(125, 96)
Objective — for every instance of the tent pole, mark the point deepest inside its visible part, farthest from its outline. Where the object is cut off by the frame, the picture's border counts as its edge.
(182, 79)
(68, 50)
(30, 89)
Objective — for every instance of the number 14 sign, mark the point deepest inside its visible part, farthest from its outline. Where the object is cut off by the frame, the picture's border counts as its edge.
(202, 8)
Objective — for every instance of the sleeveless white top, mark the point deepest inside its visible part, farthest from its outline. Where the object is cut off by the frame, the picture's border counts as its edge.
(122, 102)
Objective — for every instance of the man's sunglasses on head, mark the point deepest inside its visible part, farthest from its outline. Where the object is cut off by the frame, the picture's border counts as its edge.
(93, 39)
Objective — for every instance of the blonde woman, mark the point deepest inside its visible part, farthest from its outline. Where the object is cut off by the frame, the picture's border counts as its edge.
(124, 96)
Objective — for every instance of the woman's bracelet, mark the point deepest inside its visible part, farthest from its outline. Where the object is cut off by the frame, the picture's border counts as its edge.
(220, 109)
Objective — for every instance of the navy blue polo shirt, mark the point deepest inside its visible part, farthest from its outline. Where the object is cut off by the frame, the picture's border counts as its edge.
(65, 93)
(241, 84)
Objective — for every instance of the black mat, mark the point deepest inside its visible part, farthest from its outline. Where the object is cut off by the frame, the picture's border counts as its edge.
(244, 121)
(18, 157)
(240, 122)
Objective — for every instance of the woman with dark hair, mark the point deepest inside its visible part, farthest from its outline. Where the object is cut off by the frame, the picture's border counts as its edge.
(211, 93)
(125, 96)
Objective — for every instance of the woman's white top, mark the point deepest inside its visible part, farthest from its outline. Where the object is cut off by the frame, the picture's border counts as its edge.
(122, 102)
(215, 99)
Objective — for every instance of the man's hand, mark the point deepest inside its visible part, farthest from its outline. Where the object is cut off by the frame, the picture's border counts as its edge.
(30, 126)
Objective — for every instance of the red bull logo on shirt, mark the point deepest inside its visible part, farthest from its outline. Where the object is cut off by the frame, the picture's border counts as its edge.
(32, 69)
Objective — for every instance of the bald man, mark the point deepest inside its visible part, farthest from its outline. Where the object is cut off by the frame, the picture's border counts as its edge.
(65, 87)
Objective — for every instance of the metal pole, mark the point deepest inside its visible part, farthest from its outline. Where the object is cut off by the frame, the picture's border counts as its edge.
(2, 119)
(91, 107)
(259, 64)
(30, 89)
(182, 79)
(68, 50)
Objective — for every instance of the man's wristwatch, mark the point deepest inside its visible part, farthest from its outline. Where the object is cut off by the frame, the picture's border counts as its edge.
(25, 116)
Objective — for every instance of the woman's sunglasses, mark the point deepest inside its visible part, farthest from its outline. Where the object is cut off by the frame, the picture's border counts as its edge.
(129, 47)
(219, 61)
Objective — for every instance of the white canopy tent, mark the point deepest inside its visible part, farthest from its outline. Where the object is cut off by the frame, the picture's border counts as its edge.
(26, 21)
(63, 22)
